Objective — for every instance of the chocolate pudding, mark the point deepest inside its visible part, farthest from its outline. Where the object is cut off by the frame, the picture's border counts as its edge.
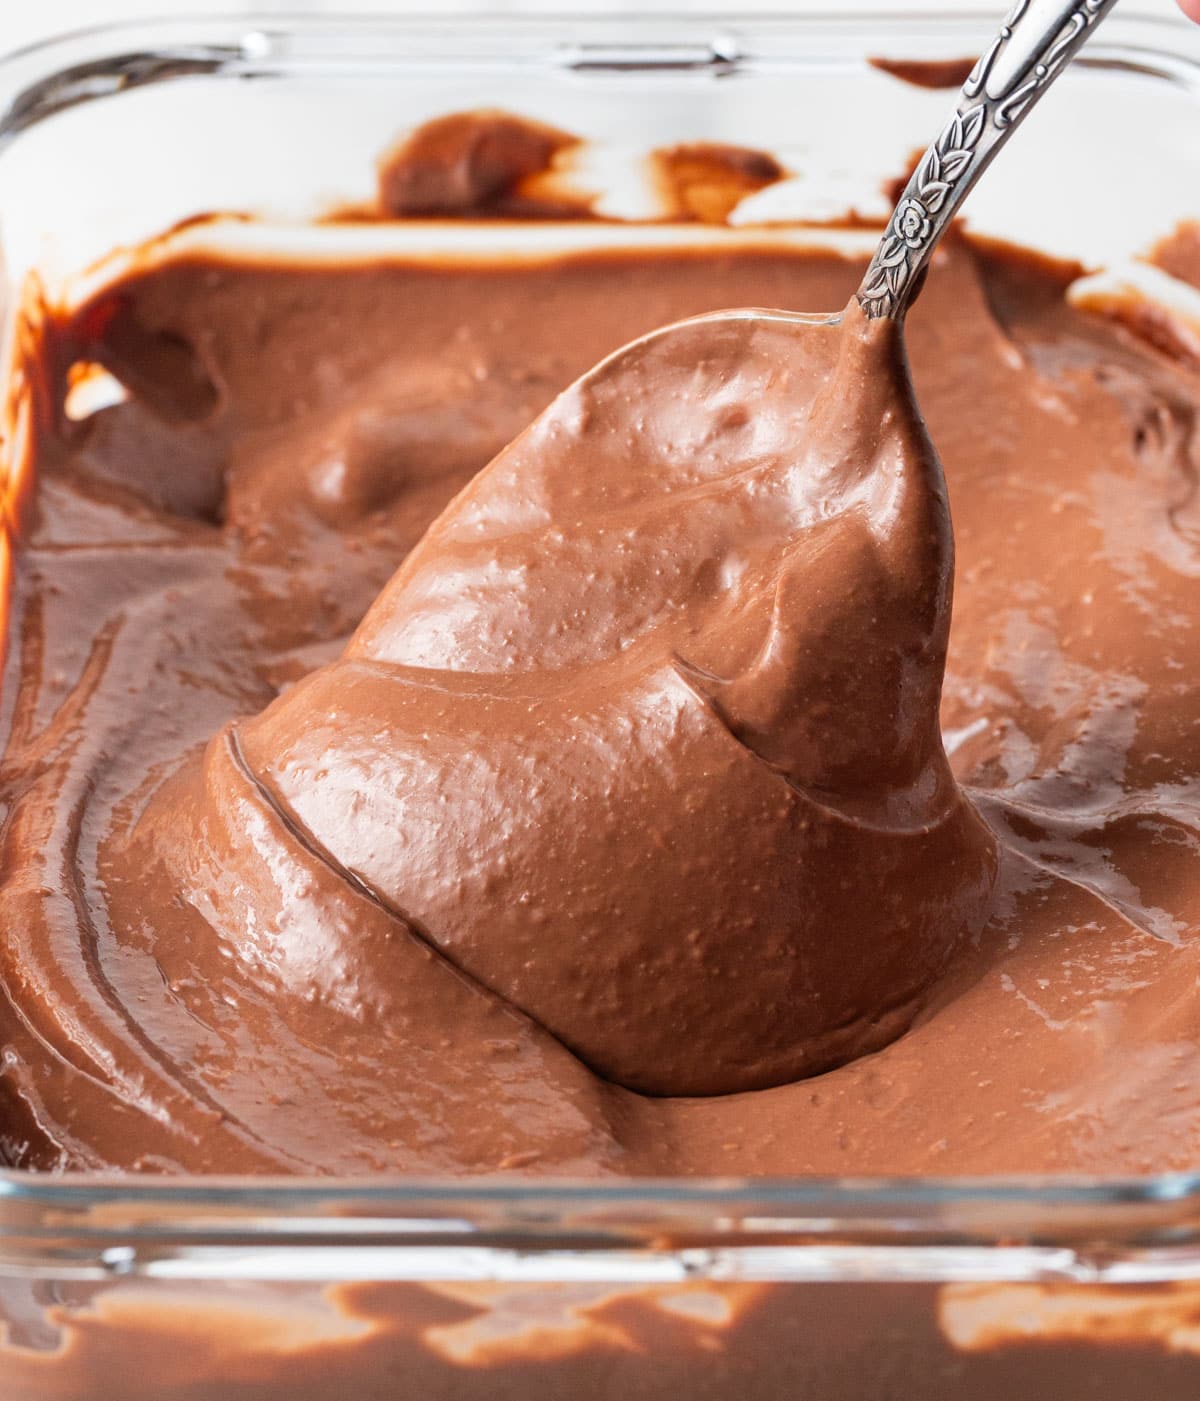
(453, 725)
(372, 808)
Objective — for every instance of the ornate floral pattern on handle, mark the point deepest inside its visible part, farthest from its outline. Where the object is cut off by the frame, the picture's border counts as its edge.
(1033, 46)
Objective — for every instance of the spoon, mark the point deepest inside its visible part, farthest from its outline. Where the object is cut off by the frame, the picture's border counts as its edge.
(688, 634)
(1034, 45)
(643, 736)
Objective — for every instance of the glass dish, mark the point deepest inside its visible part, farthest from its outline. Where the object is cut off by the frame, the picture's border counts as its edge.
(315, 1290)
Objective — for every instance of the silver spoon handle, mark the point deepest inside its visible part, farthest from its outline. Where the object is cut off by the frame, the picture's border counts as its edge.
(1034, 45)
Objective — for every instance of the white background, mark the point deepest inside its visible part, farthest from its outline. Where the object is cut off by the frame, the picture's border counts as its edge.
(23, 21)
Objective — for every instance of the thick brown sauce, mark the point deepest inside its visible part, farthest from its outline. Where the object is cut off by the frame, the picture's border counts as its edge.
(194, 551)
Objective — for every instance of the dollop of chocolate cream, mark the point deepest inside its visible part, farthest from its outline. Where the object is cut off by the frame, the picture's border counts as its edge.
(466, 162)
(927, 72)
(369, 808)
(643, 718)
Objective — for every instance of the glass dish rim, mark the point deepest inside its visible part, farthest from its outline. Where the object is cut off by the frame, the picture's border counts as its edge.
(95, 61)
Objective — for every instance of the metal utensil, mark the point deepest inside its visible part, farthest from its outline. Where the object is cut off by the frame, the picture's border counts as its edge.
(1034, 45)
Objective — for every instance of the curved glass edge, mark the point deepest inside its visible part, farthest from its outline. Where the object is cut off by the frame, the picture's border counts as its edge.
(89, 64)
(1135, 1232)
(1054, 1207)
(1141, 1232)
(1075, 1228)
